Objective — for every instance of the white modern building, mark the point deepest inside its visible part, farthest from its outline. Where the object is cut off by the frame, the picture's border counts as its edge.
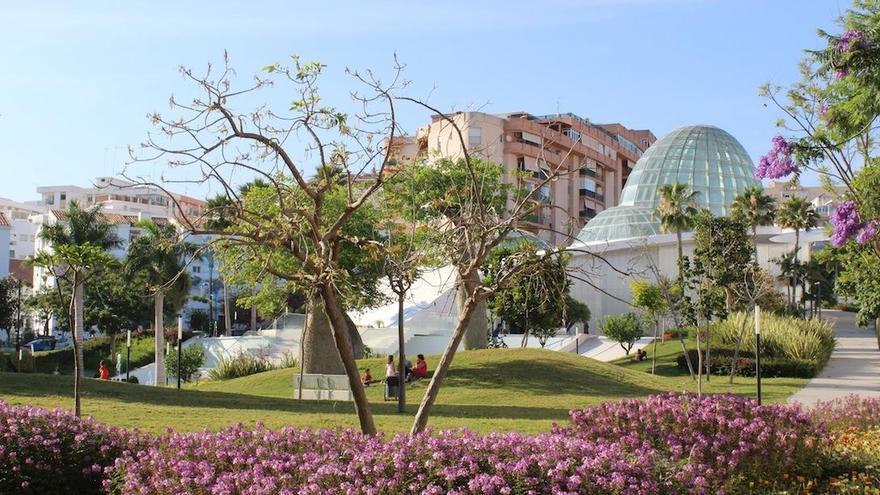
(625, 243)
(4, 245)
(23, 232)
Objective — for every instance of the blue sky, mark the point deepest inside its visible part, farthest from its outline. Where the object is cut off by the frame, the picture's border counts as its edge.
(76, 83)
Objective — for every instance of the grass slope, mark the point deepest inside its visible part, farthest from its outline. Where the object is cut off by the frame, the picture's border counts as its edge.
(492, 390)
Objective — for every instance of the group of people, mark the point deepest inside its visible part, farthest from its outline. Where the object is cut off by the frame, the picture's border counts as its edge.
(392, 377)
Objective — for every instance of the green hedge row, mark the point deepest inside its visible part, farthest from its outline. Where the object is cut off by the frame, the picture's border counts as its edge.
(94, 351)
(721, 361)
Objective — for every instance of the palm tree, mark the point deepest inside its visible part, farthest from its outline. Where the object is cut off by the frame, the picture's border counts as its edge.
(159, 254)
(85, 233)
(756, 208)
(677, 212)
(798, 214)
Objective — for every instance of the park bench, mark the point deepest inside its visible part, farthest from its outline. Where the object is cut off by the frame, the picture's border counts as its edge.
(322, 387)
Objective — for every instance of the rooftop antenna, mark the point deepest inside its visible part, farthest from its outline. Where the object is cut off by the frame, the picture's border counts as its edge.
(557, 106)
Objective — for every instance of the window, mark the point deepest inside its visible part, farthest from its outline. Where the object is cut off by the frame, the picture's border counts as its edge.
(197, 269)
(521, 163)
(474, 136)
(63, 196)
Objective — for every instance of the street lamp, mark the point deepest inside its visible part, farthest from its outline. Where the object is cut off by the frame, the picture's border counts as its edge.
(127, 356)
(758, 350)
(179, 338)
(19, 358)
(818, 299)
(18, 320)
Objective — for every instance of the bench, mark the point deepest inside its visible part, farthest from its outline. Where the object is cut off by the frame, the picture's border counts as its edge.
(322, 387)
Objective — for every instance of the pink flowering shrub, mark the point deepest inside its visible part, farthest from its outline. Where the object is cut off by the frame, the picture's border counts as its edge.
(847, 223)
(290, 461)
(709, 443)
(44, 451)
(851, 413)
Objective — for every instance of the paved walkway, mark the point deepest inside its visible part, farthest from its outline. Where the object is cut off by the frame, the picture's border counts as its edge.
(854, 367)
(604, 349)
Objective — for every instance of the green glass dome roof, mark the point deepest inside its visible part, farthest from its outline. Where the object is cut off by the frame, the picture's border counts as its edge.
(708, 159)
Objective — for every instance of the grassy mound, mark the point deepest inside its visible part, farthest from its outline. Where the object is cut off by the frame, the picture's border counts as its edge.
(493, 390)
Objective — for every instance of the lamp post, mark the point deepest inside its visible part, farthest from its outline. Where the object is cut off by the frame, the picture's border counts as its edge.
(758, 350)
(179, 338)
(127, 355)
(818, 292)
(18, 320)
(19, 358)
(213, 328)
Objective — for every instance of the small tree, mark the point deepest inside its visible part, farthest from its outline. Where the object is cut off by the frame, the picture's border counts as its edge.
(575, 312)
(625, 329)
(191, 359)
(8, 291)
(650, 300)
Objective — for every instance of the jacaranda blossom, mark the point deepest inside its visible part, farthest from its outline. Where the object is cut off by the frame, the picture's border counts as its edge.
(847, 224)
(777, 162)
(852, 39)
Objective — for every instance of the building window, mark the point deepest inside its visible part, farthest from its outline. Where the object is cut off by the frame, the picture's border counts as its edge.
(197, 269)
(63, 196)
(474, 136)
(521, 163)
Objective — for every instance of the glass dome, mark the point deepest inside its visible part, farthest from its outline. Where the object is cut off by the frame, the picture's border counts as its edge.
(708, 159)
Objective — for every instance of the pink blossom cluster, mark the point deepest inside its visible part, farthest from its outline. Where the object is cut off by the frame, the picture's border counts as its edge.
(847, 224)
(707, 442)
(44, 451)
(777, 162)
(852, 39)
(852, 412)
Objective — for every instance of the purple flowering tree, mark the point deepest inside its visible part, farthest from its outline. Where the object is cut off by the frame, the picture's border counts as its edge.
(829, 127)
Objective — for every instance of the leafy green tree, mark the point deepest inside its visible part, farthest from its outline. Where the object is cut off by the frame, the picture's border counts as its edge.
(676, 212)
(157, 257)
(77, 265)
(625, 329)
(756, 209)
(533, 303)
(8, 304)
(798, 214)
(575, 312)
(191, 359)
(649, 298)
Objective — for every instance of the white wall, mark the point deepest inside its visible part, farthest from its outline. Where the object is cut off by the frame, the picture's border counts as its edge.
(4, 251)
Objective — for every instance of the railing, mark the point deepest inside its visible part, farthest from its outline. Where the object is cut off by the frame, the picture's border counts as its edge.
(587, 213)
(588, 172)
(588, 193)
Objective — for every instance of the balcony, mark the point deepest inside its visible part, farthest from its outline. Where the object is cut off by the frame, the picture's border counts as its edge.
(588, 172)
(587, 213)
(589, 194)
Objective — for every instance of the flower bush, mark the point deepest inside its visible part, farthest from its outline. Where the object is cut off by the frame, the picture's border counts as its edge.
(708, 444)
(53, 452)
(665, 444)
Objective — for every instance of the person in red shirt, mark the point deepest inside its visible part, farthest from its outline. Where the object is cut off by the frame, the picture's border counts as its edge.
(103, 371)
(421, 369)
(367, 378)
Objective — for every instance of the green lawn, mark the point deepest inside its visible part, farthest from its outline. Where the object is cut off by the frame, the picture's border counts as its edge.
(493, 390)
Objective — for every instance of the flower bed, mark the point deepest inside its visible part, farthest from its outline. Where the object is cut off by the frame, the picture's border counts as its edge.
(666, 444)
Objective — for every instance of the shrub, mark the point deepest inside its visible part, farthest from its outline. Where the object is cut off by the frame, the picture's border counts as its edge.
(781, 336)
(707, 443)
(771, 367)
(54, 452)
(243, 364)
(191, 359)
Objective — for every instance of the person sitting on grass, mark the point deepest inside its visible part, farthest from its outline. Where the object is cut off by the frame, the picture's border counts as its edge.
(367, 378)
(103, 371)
(421, 369)
(391, 377)
(641, 354)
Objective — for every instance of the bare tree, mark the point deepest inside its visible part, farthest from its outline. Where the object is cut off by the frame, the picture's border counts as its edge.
(296, 234)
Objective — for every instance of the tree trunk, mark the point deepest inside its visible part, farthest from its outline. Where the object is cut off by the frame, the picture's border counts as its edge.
(78, 328)
(227, 314)
(877, 331)
(699, 364)
(461, 327)
(736, 349)
(794, 281)
(476, 336)
(708, 358)
(680, 254)
(343, 345)
(401, 369)
(254, 313)
(654, 354)
(755, 240)
(320, 354)
(687, 357)
(159, 330)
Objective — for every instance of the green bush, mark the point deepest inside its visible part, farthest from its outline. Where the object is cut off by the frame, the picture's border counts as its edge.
(771, 367)
(624, 329)
(192, 358)
(781, 336)
(142, 351)
(241, 365)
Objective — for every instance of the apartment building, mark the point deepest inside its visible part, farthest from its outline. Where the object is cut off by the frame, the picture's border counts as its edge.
(4, 245)
(593, 160)
(822, 200)
(22, 233)
(121, 196)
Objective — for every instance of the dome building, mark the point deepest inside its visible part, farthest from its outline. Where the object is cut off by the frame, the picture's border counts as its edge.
(625, 243)
(706, 158)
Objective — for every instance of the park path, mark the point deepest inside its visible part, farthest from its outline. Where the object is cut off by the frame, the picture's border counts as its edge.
(854, 367)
